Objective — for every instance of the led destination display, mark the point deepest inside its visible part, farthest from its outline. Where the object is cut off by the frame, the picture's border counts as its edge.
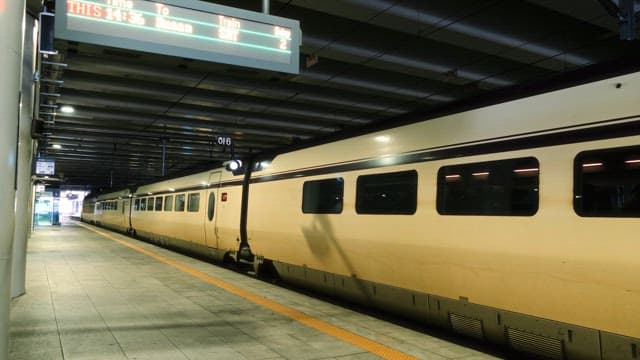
(201, 31)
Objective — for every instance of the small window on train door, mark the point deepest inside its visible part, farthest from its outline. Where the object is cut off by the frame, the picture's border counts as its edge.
(194, 202)
(179, 203)
(159, 203)
(323, 196)
(500, 188)
(150, 204)
(211, 206)
(168, 203)
(390, 193)
(607, 183)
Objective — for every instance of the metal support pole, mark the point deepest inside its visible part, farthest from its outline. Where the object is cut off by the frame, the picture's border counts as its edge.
(164, 156)
(265, 6)
(12, 15)
(25, 156)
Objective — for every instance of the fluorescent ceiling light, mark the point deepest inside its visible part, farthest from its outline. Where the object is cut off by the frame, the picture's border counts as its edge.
(67, 109)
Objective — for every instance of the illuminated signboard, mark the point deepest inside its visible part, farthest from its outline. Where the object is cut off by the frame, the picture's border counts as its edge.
(189, 29)
(45, 167)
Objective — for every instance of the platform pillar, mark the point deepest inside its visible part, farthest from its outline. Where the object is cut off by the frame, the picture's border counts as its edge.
(12, 13)
(25, 156)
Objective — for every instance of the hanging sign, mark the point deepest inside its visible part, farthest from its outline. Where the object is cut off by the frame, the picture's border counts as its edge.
(191, 29)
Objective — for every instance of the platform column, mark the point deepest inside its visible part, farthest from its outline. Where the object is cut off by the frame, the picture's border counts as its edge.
(12, 13)
(25, 156)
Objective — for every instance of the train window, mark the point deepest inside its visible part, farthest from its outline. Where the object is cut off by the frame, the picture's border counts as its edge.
(179, 203)
(168, 203)
(194, 202)
(323, 196)
(211, 205)
(150, 204)
(390, 193)
(136, 204)
(143, 204)
(159, 203)
(504, 187)
(607, 183)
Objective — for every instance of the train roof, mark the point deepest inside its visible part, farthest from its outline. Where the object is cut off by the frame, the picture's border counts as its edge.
(581, 105)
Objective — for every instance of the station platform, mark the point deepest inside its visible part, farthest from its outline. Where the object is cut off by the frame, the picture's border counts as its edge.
(95, 294)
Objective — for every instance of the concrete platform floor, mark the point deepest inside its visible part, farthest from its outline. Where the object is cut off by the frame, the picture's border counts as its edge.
(90, 297)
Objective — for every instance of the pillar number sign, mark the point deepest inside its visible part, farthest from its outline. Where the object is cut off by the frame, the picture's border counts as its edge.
(191, 29)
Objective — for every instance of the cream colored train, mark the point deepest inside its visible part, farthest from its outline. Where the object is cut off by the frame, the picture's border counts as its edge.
(515, 223)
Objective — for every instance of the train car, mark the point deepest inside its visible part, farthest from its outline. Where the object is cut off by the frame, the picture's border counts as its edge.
(198, 213)
(88, 209)
(112, 210)
(513, 223)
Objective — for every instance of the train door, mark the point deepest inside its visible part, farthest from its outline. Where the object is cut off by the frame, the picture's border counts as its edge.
(126, 213)
(211, 213)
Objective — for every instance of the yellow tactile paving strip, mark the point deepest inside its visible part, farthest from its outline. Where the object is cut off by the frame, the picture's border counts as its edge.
(339, 333)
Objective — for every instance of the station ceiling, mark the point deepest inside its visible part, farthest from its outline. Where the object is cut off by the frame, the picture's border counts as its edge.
(364, 63)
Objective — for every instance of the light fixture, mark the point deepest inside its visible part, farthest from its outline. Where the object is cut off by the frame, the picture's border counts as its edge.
(382, 139)
(56, 146)
(232, 165)
(67, 109)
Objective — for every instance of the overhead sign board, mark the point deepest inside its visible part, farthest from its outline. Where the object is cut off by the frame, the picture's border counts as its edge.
(191, 29)
(45, 167)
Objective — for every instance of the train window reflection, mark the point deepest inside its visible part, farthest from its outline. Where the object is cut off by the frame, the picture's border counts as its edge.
(179, 203)
(143, 204)
(159, 203)
(322, 196)
(150, 204)
(390, 193)
(504, 187)
(168, 203)
(136, 204)
(607, 183)
(194, 202)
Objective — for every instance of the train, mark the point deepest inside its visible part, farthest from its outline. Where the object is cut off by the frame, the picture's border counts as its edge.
(513, 223)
